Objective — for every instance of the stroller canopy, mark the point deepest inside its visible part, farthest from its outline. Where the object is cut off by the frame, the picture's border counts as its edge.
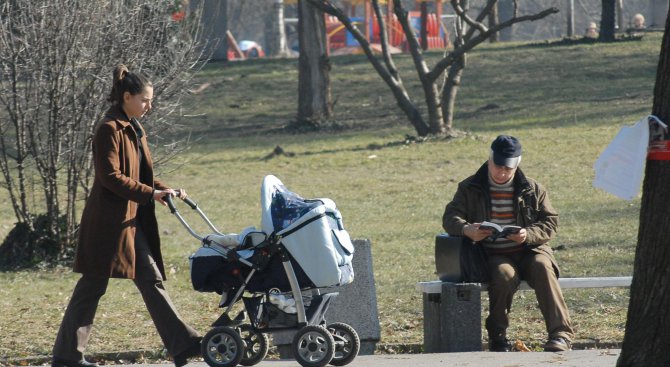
(311, 230)
(281, 207)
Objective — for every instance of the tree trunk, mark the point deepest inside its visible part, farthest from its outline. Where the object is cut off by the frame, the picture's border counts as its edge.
(620, 25)
(424, 26)
(607, 21)
(215, 24)
(571, 18)
(435, 117)
(493, 20)
(647, 337)
(275, 34)
(450, 91)
(314, 101)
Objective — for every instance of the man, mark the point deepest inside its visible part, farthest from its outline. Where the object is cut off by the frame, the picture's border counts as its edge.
(500, 193)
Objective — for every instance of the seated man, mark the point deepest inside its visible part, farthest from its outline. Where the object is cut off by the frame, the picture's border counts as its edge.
(500, 193)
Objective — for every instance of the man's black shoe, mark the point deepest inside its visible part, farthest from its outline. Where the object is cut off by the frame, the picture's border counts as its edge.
(500, 344)
(57, 362)
(181, 359)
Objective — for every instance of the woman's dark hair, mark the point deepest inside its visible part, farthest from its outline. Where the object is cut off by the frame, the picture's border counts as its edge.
(126, 81)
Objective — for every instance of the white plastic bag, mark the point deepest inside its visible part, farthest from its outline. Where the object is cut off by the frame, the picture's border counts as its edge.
(620, 167)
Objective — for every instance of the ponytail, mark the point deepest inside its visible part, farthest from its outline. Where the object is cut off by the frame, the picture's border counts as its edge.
(125, 81)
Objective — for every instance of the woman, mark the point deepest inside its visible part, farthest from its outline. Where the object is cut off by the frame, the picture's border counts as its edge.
(118, 236)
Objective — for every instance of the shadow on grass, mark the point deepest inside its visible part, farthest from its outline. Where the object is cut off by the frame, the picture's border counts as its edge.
(408, 140)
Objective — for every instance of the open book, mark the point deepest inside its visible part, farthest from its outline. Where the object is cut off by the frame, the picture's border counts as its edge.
(499, 231)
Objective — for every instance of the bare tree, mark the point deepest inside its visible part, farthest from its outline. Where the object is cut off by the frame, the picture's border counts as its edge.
(314, 98)
(439, 99)
(55, 71)
(607, 21)
(647, 339)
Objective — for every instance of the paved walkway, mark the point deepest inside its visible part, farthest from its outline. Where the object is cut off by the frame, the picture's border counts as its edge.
(577, 358)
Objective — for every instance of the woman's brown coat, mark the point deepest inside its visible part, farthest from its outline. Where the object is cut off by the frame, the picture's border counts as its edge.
(107, 232)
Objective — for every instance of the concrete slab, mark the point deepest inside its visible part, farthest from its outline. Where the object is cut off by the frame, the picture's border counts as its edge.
(578, 358)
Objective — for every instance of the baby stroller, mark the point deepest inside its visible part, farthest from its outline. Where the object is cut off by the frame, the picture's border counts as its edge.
(281, 273)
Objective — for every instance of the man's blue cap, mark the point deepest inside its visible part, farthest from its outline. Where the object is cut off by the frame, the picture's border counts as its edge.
(506, 151)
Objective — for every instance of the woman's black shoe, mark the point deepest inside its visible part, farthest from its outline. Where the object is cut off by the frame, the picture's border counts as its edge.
(57, 362)
(500, 344)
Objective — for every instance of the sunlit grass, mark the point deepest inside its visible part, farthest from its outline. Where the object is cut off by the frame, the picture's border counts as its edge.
(565, 103)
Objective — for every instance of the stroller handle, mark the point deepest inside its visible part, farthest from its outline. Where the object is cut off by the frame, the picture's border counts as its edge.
(170, 203)
(187, 200)
(173, 209)
(191, 203)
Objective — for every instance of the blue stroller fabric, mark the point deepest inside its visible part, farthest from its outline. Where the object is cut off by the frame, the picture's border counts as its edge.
(287, 207)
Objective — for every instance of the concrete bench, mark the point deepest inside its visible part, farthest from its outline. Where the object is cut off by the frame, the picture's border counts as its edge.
(452, 311)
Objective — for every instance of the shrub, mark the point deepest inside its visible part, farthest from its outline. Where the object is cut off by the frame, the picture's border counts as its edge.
(39, 247)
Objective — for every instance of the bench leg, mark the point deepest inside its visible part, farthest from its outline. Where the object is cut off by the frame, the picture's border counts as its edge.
(452, 319)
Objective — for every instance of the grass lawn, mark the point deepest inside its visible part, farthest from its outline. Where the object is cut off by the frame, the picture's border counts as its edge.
(564, 102)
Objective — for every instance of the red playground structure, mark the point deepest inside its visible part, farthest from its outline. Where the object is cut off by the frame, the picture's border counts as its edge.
(433, 36)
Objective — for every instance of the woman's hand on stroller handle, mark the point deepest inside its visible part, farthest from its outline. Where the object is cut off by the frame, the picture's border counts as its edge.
(180, 193)
(161, 195)
(166, 199)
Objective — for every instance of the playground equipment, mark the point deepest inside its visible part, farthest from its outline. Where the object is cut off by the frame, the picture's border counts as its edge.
(432, 36)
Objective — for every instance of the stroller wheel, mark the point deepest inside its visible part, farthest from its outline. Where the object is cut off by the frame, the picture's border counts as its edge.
(256, 345)
(347, 343)
(313, 346)
(222, 347)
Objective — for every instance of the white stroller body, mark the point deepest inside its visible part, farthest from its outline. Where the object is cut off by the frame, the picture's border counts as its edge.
(302, 246)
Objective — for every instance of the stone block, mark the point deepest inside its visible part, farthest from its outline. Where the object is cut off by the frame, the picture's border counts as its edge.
(355, 305)
(451, 319)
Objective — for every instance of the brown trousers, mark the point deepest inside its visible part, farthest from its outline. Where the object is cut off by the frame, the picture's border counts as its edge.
(507, 271)
(75, 329)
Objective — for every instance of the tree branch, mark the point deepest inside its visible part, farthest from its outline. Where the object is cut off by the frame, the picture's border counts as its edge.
(463, 15)
(410, 36)
(383, 38)
(483, 15)
(481, 37)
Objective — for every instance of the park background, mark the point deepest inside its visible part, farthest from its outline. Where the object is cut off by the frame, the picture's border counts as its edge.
(565, 101)
(249, 20)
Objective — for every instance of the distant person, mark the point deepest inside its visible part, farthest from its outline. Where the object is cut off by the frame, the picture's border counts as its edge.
(251, 49)
(118, 235)
(638, 21)
(591, 31)
(500, 192)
